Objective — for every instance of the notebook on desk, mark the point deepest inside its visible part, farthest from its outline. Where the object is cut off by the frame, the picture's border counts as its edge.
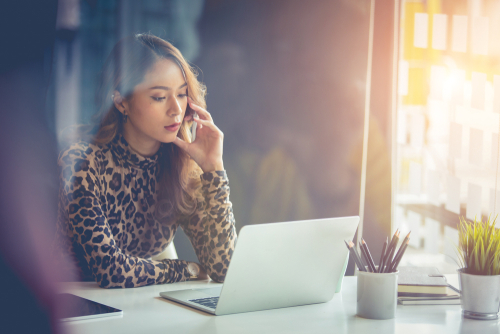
(278, 265)
(425, 286)
(415, 281)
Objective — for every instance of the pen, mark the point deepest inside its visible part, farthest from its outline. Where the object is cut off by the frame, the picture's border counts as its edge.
(368, 255)
(380, 262)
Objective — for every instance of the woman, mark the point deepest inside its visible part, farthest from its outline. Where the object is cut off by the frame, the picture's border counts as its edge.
(137, 176)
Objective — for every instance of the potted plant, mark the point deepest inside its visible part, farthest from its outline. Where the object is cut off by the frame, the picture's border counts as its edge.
(479, 277)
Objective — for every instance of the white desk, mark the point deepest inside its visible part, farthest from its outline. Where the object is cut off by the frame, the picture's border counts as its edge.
(145, 312)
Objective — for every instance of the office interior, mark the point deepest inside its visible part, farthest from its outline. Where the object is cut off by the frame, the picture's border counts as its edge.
(384, 109)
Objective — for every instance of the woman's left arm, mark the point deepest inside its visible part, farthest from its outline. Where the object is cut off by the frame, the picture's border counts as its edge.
(211, 229)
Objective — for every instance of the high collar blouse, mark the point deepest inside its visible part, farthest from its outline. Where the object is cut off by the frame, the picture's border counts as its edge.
(106, 223)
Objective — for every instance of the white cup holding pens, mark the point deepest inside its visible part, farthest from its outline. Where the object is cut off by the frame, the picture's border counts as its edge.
(377, 289)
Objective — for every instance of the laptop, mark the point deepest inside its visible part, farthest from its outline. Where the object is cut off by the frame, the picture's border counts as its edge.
(278, 265)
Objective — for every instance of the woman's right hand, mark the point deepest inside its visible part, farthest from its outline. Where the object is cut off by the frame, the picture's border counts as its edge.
(206, 149)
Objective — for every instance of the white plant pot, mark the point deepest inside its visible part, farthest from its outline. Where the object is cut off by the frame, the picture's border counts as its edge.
(480, 295)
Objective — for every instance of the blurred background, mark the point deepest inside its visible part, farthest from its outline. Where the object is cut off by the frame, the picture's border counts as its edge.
(286, 84)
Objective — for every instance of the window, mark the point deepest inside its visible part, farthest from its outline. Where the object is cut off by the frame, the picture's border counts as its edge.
(447, 124)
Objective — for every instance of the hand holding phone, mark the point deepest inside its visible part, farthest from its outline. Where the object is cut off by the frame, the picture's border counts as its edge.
(207, 149)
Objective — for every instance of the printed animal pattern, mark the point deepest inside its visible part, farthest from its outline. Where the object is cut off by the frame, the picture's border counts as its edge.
(106, 218)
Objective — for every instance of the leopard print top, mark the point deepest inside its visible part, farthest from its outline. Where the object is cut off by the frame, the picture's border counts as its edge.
(106, 218)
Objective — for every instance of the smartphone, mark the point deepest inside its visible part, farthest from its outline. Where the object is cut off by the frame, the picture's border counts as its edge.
(193, 129)
(190, 111)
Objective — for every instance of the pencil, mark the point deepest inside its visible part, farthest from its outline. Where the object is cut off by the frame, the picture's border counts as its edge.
(390, 251)
(382, 254)
(368, 255)
(361, 260)
(391, 254)
(398, 259)
(405, 239)
(394, 267)
(355, 256)
(363, 265)
(364, 256)
(386, 254)
(400, 249)
(356, 260)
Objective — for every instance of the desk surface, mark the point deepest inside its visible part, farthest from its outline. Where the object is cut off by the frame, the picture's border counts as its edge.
(145, 312)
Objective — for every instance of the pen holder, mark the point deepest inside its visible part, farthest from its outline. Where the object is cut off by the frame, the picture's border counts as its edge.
(377, 295)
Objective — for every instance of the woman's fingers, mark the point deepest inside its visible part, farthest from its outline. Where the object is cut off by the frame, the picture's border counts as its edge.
(207, 123)
(202, 112)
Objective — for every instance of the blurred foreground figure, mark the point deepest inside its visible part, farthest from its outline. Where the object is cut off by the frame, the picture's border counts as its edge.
(28, 171)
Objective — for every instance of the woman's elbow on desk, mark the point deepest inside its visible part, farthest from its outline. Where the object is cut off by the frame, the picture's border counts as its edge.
(218, 272)
(218, 278)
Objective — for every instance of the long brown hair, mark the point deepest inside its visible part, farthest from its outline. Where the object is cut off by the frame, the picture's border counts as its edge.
(130, 59)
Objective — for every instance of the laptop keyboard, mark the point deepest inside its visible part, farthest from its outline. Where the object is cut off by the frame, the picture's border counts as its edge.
(210, 302)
